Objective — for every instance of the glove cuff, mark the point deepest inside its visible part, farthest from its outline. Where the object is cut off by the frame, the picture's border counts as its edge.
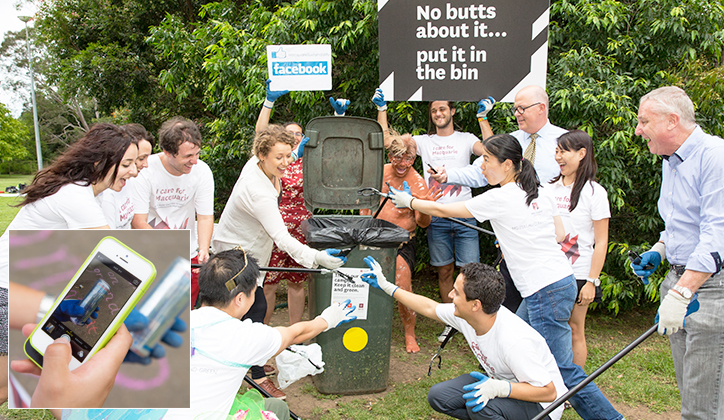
(660, 247)
(382, 108)
(268, 104)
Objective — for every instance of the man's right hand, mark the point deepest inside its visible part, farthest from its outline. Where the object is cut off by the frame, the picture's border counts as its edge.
(648, 257)
(272, 95)
(439, 175)
(376, 278)
(379, 100)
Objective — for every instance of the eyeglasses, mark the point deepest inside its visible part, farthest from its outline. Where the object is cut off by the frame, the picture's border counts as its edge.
(403, 158)
(521, 109)
(297, 134)
(231, 283)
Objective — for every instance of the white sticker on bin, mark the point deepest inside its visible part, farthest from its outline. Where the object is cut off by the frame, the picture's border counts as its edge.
(355, 290)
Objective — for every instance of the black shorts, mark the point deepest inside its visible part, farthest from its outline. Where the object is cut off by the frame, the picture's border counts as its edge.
(582, 283)
(407, 251)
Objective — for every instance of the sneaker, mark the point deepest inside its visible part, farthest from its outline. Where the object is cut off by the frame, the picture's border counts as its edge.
(444, 333)
(269, 370)
(272, 390)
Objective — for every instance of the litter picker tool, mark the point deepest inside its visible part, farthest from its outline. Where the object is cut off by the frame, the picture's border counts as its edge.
(438, 353)
(693, 307)
(372, 191)
(297, 270)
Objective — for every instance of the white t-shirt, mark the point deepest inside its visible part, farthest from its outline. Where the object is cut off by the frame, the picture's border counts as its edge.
(452, 151)
(526, 235)
(72, 207)
(223, 349)
(579, 241)
(172, 202)
(511, 351)
(251, 219)
(118, 206)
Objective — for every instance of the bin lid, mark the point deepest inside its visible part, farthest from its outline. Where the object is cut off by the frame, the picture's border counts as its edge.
(343, 155)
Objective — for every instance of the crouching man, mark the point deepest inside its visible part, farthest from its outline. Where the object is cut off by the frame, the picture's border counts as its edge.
(223, 347)
(522, 375)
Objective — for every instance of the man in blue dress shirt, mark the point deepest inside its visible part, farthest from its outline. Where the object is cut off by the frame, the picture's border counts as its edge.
(692, 206)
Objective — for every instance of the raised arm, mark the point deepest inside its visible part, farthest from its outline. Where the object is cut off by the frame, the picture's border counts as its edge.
(265, 114)
(484, 106)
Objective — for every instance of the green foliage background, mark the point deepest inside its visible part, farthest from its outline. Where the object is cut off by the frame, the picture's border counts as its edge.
(146, 60)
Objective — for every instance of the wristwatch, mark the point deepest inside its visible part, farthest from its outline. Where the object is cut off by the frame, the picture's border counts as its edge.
(596, 282)
(683, 291)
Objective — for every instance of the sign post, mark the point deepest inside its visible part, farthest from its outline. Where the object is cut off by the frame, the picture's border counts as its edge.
(461, 50)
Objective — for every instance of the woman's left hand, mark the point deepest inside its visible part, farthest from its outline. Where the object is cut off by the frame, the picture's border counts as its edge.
(588, 293)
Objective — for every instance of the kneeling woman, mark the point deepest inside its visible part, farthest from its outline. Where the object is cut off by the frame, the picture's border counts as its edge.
(528, 229)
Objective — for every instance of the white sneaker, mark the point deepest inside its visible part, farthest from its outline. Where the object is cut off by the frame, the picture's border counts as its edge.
(444, 333)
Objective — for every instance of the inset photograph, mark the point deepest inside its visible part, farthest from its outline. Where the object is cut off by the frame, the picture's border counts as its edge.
(99, 318)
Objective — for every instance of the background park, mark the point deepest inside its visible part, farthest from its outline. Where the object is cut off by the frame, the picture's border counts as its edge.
(144, 61)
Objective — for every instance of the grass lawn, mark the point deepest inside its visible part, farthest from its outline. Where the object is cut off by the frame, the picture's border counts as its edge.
(7, 213)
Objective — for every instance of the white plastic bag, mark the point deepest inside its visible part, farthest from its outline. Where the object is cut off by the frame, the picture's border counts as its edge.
(298, 362)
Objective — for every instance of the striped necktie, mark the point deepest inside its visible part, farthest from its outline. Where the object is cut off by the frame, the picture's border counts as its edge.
(529, 153)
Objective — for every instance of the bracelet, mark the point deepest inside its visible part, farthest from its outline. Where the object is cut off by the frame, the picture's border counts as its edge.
(413, 199)
(481, 119)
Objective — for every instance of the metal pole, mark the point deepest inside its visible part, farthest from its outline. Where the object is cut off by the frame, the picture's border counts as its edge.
(596, 373)
(38, 151)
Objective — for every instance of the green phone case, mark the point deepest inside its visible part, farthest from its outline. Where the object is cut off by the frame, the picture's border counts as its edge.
(118, 320)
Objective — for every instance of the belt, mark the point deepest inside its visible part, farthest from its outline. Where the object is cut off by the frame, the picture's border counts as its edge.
(678, 269)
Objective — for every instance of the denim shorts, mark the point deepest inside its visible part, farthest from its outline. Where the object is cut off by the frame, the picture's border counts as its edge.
(449, 241)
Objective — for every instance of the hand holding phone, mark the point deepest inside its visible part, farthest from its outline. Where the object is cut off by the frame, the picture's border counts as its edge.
(108, 285)
(432, 169)
(60, 387)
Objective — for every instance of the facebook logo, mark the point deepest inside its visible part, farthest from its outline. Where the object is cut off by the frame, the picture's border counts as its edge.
(300, 68)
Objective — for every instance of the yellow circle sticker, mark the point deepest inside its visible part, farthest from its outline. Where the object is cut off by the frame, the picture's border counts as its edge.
(355, 339)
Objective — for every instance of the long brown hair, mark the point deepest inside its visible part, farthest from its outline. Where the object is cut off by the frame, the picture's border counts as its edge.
(85, 162)
(574, 141)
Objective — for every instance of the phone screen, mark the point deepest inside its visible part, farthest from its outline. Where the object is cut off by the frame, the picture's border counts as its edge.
(103, 285)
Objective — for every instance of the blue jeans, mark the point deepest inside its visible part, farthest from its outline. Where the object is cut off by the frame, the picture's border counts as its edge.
(698, 352)
(449, 241)
(548, 311)
(447, 398)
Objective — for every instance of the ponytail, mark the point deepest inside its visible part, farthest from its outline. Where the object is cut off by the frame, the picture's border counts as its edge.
(505, 147)
(527, 179)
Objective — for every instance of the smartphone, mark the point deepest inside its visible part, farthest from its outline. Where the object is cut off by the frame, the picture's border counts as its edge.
(635, 258)
(95, 302)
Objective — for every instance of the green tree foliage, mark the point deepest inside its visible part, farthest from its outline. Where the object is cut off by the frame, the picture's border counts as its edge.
(13, 137)
(207, 60)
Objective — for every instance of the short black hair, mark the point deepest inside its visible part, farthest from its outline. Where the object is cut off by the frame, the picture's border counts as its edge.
(221, 268)
(484, 283)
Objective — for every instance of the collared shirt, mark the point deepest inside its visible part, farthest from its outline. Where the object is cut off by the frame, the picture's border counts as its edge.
(692, 203)
(545, 158)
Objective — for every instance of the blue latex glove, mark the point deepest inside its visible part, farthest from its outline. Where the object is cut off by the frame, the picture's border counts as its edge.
(70, 308)
(379, 100)
(376, 278)
(339, 105)
(136, 321)
(670, 306)
(649, 257)
(484, 390)
(484, 106)
(272, 95)
(401, 198)
(332, 252)
(338, 314)
(300, 149)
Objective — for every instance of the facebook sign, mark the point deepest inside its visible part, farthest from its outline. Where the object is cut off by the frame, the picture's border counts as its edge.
(300, 67)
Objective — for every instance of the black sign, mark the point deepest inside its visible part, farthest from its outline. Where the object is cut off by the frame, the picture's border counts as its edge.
(461, 50)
